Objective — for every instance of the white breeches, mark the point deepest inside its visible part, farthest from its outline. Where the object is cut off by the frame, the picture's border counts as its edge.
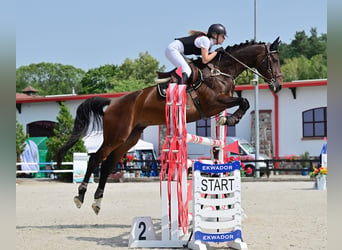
(174, 52)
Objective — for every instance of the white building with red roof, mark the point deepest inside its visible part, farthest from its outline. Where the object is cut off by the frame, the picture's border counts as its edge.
(291, 122)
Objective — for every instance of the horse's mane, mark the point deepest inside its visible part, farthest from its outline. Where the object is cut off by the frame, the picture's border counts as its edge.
(241, 45)
(198, 61)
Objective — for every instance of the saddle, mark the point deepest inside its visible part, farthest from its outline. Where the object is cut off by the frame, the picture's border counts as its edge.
(165, 78)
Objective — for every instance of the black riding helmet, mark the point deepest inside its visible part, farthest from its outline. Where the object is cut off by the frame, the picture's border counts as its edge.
(216, 28)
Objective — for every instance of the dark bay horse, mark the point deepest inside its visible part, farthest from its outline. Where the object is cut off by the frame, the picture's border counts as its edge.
(126, 117)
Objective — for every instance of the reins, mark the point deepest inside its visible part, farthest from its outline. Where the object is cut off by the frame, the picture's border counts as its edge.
(270, 81)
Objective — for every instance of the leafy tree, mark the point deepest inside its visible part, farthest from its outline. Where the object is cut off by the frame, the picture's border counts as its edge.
(317, 45)
(131, 75)
(98, 80)
(290, 69)
(302, 45)
(318, 67)
(245, 78)
(20, 140)
(127, 85)
(49, 78)
(136, 74)
(62, 131)
(305, 57)
(301, 68)
(146, 67)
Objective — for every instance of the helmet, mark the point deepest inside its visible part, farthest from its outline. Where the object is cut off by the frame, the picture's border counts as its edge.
(216, 28)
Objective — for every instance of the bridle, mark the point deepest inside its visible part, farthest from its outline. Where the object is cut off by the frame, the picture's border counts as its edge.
(267, 57)
(269, 66)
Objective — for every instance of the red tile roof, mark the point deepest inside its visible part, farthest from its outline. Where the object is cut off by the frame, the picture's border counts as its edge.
(23, 98)
(29, 89)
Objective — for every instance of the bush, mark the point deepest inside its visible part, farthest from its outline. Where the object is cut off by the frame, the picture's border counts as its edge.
(20, 140)
(62, 131)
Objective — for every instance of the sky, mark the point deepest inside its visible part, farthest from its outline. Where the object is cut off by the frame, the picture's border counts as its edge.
(90, 33)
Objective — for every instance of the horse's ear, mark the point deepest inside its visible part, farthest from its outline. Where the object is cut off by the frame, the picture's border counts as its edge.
(274, 45)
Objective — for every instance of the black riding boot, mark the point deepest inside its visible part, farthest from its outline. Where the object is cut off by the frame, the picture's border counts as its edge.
(185, 78)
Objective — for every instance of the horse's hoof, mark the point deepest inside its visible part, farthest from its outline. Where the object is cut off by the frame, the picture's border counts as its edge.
(78, 202)
(96, 208)
(221, 121)
(231, 121)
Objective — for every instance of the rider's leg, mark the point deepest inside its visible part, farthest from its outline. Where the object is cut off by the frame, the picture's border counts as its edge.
(174, 55)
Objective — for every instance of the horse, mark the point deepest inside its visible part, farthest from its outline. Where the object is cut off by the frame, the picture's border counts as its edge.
(125, 118)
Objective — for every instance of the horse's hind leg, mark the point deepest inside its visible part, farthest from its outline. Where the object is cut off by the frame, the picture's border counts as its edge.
(109, 164)
(106, 167)
(92, 165)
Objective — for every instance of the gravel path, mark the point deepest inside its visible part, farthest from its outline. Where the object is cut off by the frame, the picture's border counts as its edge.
(280, 215)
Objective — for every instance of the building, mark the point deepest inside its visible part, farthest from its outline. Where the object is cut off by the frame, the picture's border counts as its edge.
(291, 122)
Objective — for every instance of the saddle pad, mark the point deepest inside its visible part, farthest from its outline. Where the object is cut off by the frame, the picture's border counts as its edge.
(162, 88)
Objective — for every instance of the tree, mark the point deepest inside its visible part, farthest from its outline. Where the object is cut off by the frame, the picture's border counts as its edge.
(290, 69)
(146, 67)
(302, 45)
(131, 75)
(62, 131)
(301, 68)
(318, 67)
(136, 74)
(305, 57)
(317, 45)
(49, 78)
(20, 140)
(98, 80)
(245, 78)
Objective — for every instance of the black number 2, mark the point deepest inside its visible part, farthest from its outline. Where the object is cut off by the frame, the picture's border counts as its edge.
(141, 235)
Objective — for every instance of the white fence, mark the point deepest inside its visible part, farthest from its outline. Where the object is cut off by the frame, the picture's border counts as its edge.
(79, 167)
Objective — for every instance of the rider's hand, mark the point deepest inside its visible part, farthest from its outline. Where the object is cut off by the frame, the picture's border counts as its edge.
(220, 50)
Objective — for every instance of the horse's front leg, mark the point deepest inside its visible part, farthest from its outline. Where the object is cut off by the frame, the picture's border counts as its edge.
(237, 115)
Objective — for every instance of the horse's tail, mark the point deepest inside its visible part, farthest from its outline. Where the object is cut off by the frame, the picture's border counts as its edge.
(90, 108)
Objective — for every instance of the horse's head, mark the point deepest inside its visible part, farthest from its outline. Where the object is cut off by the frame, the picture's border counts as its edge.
(269, 67)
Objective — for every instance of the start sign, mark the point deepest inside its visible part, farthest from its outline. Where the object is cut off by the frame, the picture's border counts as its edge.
(217, 185)
(228, 180)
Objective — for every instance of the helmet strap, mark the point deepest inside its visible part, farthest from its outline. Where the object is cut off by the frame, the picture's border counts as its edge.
(216, 38)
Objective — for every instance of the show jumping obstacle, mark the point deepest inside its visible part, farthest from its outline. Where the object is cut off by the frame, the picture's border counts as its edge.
(211, 90)
(216, 201)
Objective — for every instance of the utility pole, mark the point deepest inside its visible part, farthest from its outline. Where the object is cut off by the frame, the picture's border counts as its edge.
(256, 104)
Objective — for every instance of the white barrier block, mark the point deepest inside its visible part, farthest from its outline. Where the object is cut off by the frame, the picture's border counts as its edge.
(80, 164)
(142, 229)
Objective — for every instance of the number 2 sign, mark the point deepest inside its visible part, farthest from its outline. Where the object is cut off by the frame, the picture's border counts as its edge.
(142, 229)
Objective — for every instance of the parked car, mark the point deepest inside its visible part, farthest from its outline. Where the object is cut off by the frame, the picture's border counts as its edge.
(247, 152)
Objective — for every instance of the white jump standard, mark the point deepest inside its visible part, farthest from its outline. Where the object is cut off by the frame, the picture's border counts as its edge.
(217, 212)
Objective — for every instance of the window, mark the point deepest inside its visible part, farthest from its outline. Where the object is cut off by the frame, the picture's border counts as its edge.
(315, 122)
(203, 128)
(231, 131)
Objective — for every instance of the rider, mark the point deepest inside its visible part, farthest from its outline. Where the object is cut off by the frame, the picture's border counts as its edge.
(198, 43)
